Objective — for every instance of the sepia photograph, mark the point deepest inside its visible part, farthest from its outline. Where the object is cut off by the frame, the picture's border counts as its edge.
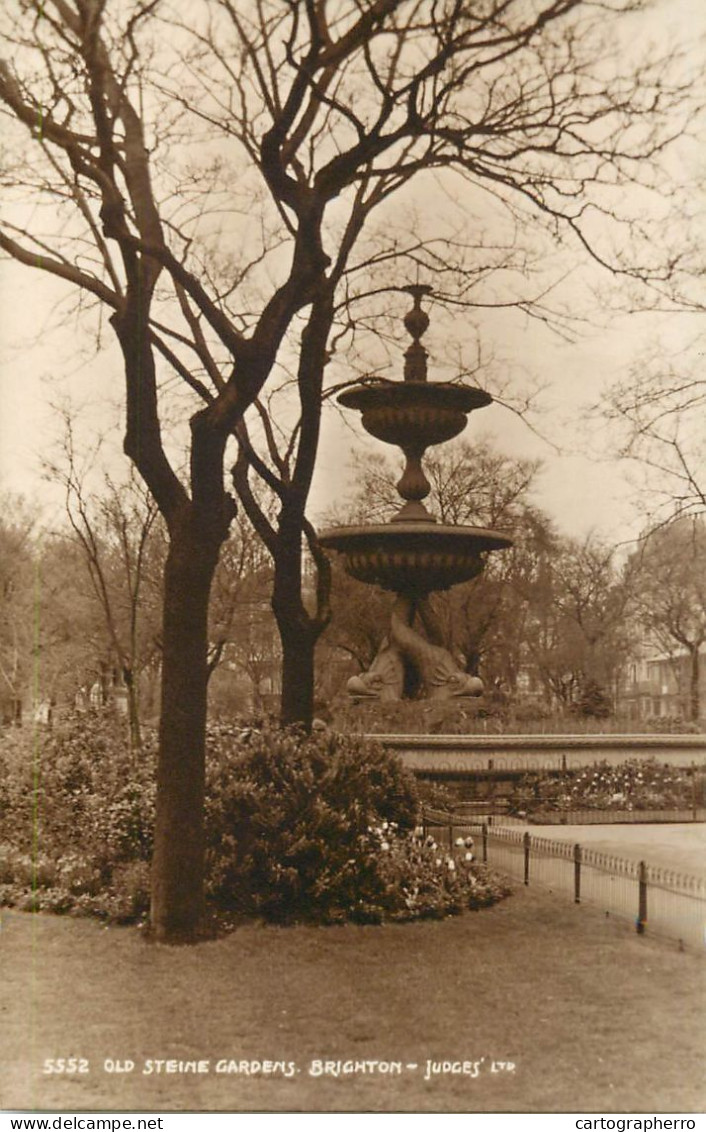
(353, 560)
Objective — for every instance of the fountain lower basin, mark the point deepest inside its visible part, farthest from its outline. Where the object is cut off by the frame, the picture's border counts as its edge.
(413, 557)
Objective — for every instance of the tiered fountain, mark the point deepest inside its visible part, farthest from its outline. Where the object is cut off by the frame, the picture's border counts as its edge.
(413, 555)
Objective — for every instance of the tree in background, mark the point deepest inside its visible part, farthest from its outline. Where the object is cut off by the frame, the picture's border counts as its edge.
(120, 552)
(496, 610)
(148, 126)
(49, 638)
(18, 580)
(241, 627)
(472, 483)
(579, 634)
(119, 544)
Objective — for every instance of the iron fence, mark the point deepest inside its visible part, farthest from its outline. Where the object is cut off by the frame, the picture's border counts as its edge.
(663, 901)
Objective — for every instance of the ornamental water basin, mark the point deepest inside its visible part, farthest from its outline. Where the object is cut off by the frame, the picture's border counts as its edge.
(414, 557)
(414, 412)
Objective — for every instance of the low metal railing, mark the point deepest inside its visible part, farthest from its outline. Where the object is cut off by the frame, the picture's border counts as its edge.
(663, 901)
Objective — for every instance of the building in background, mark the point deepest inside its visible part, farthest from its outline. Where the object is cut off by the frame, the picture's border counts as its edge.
(658, 686)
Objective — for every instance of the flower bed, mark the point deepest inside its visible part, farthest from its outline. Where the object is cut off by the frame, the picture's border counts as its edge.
(422, 880)
(634, 787)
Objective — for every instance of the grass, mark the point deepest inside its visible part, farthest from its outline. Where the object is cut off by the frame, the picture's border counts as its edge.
(594, 1017)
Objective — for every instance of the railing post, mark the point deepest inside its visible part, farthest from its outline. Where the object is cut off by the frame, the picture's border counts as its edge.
(425, 827)
(642, 899)
(577, 874)
(484, 835)
(451, 832)
(526, 841)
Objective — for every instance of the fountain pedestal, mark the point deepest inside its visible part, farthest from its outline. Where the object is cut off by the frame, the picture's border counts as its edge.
(413, 555)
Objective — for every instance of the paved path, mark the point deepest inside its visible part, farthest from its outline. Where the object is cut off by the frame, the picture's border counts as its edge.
(679, 846)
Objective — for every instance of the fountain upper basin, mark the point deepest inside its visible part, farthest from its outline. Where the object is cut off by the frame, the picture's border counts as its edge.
(417, 412)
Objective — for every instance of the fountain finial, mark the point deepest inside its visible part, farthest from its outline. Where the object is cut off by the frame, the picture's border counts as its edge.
(416, 322)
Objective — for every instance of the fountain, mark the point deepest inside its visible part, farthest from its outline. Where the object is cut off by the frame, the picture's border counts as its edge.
(413, 555)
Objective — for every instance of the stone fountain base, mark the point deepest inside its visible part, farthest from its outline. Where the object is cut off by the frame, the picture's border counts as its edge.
(459, 756)
(412, 662)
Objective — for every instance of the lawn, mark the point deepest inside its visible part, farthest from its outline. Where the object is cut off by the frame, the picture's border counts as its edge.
(593, 1017)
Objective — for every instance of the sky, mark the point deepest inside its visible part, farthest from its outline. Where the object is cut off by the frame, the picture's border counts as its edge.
(582, 486)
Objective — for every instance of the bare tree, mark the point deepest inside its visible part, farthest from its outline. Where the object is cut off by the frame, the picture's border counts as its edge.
(18, 564)
(579, 636)
(241, 583)
(659, 414)
(153, 125)
(471, 482)
(115, 531)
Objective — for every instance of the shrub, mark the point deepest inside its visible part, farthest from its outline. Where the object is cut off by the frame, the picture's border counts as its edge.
(292, 827)
(78, 790)
(594, 701)
(529, 709)
(672, 725)
(285, 814)
(76, 817)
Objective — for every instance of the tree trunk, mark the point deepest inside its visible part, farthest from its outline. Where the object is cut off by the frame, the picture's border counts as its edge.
(694, 690)
(297, 629)
(178, 862)
(298, 648)
(133, 709)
